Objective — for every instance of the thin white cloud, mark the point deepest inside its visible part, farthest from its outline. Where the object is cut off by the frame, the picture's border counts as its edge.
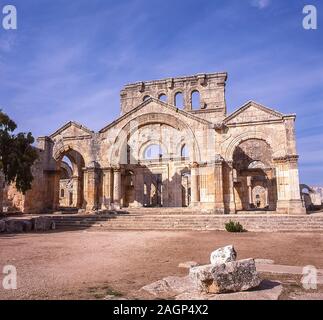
(260, 4)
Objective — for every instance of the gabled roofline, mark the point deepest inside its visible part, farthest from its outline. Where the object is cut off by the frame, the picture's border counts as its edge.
(148, 101)
(69, 124)
(259, 106)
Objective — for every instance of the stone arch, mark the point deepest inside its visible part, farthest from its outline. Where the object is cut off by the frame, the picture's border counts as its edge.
(306, 187)
(255, 185)
(146, 144)
(66, 170)
(120, 143)
(276, 148)
(162, 96)
(75, 186)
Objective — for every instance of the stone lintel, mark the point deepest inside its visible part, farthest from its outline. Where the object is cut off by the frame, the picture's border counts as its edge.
(287, 158)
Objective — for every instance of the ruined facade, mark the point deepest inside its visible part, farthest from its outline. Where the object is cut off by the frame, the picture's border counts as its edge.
(173, 146)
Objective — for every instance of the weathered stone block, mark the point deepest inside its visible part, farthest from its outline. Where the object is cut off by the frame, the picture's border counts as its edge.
(223, 255)
(229, 277)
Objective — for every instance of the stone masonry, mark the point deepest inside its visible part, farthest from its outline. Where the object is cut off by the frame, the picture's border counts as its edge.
(173, 146)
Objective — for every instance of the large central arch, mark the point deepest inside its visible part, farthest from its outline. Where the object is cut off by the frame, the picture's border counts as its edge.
(119, 149)
(156, 181)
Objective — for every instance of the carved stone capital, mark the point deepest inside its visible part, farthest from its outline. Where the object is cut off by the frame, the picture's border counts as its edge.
(194, 165)
(117, 169)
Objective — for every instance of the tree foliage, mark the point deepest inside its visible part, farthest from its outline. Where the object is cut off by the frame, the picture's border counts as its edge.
(17, 155)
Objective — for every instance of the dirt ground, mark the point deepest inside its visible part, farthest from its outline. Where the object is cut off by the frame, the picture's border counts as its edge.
(91, 265)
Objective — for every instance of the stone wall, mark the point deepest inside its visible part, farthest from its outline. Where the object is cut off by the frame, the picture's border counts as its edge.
(231, 162)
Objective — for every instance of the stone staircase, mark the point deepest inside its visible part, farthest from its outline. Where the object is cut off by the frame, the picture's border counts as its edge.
(164, 220)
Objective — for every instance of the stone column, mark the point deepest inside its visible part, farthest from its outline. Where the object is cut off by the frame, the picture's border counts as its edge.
(249, 185)
(77, 192)
(55, 177)
(232, 204)
(218, 178)
(91, 193)
(117, 187)
(139, 188)
(195, 192)
(107, 188)
(288, 191)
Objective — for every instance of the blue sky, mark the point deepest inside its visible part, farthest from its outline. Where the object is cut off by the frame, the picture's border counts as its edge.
(68, 60)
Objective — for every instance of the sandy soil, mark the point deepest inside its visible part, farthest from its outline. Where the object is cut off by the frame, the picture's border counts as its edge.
(91, 265)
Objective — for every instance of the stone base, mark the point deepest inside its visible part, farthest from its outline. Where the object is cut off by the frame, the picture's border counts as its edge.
(181, 288)
(292, 207)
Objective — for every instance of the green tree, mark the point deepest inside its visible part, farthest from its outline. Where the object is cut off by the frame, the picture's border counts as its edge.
(17, 155)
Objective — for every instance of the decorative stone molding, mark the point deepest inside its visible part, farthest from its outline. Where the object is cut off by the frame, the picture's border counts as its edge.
(288, 158)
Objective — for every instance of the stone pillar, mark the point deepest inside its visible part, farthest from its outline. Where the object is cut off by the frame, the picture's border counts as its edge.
(218, 179)
(91, 194)
(232, 204)
(117, 187)
(249, 184)
(55, 176)
(77, 192)
(139, 188)
(195, 192)
(107, 188)
(288, 190)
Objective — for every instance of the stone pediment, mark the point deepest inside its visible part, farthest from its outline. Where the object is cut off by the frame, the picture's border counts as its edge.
(72, 130)
(253, 112)
(155, 106)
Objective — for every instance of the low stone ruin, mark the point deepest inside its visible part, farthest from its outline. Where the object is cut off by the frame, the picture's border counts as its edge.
(225, 278)
(225, 274)
(38, 224)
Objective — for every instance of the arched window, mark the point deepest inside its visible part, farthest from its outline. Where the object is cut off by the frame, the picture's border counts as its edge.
(146, 98)
(179, 100)
(162, 97)
(196, 100)
(153, 152)
(62, 193)
(184, 152)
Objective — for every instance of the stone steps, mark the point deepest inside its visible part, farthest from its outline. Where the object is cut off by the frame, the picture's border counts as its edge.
(189, 222)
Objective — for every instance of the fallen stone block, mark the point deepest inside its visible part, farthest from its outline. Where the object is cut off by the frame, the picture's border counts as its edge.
(223, 255)
(267, 290)
(169, 286)
(233, 276)
(43, 224)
